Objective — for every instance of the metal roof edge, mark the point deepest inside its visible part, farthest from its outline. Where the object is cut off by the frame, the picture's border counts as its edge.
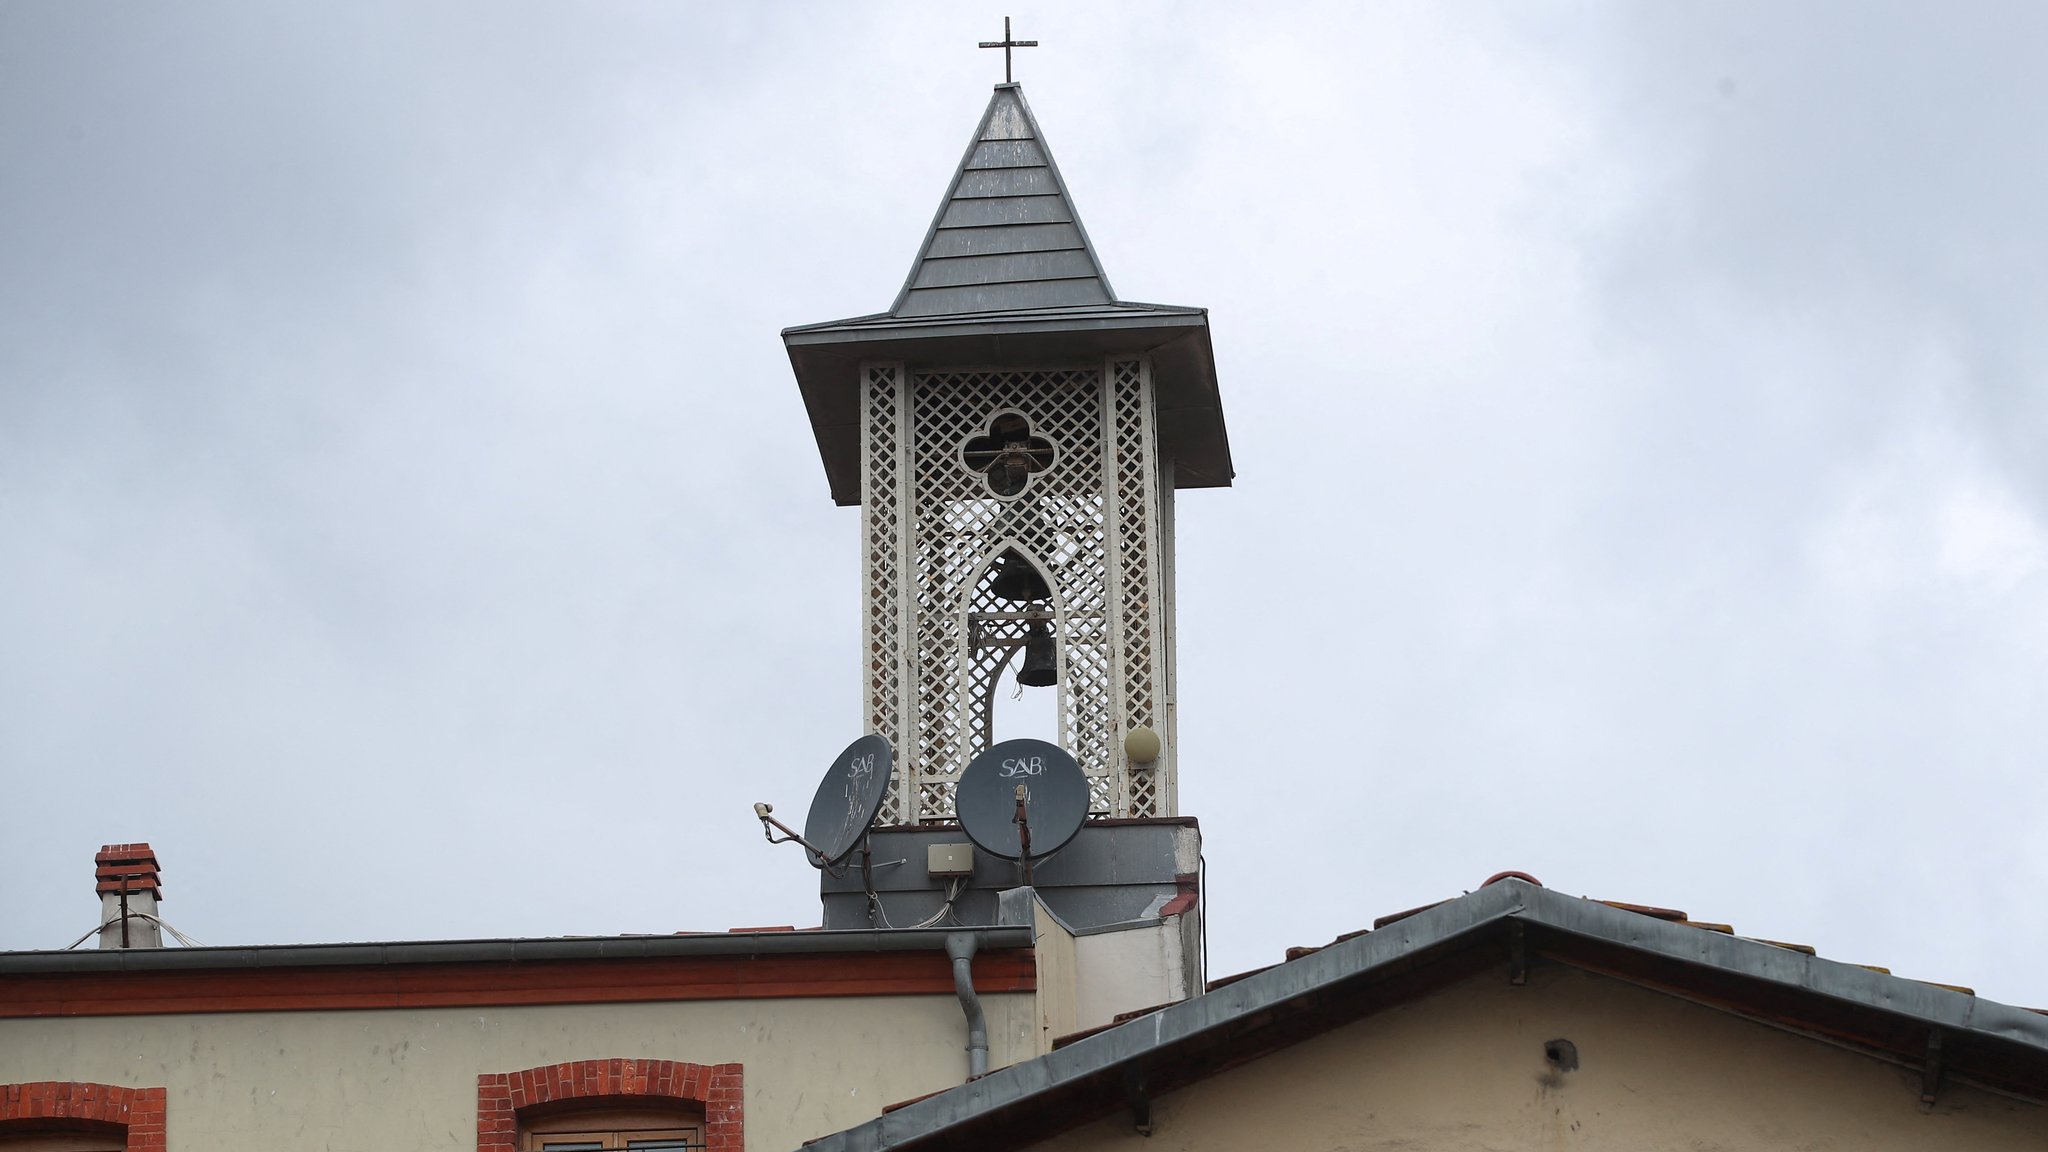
(835, 323)
(1898, 995)
(503, 950)
(1116, 926)
(1509, 899)
(993, 323)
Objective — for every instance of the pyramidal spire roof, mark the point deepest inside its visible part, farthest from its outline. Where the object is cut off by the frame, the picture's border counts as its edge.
(1006, 237)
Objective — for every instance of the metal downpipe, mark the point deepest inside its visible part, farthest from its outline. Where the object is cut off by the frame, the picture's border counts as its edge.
(960, 947)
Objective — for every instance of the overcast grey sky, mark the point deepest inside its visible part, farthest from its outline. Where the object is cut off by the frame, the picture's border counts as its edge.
(409, 524)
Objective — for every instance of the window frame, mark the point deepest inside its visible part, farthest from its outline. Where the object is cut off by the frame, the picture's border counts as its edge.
(38, 1138)
(612, 1129)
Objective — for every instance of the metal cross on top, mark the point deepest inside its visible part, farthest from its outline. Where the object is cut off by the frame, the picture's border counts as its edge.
(1006, 44)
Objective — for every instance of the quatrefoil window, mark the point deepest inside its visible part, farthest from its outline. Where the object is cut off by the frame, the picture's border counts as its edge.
(1009, 454)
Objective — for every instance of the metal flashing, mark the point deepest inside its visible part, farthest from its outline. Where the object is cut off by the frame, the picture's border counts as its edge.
(1117, 314)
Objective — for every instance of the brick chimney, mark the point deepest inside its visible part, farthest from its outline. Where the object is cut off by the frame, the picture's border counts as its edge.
(128, 883)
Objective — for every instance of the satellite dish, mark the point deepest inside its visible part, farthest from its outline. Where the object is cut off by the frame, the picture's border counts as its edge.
(847, 800)
(1057, 798)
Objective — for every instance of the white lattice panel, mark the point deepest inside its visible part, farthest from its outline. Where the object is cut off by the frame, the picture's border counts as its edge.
(885, 519)
(1088, 518)
(1134, 481)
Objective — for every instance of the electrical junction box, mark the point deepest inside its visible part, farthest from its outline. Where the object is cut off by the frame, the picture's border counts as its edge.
(948, 860)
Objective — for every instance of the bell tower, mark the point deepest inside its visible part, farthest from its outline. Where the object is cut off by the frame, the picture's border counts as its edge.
(1014, 435)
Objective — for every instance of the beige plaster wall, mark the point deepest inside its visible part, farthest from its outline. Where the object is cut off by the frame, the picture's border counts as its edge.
(1128, 970)
(1058, 977)
(1085, 981)
(1463, 1071)
(405, 1080)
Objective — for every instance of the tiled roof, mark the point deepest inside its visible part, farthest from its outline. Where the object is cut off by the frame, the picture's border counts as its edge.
(1654, 912)
(1668, 915)
(1940, 1030)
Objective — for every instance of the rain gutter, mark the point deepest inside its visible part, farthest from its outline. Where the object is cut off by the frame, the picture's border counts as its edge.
(507, 950)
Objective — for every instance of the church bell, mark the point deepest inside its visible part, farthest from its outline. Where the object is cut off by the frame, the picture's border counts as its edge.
(1041, 659)
(1018, 581)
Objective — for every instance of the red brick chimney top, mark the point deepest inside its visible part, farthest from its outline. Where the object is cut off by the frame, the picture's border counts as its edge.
(129, 866)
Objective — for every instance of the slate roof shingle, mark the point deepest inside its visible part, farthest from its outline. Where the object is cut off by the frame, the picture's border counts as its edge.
(1006, 238)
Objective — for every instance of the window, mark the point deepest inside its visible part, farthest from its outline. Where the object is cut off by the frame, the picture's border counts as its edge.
(621, 1103)
(75, 1116)
(613, 1129)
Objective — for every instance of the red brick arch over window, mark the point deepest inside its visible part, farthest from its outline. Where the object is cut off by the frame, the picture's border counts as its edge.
(716, 1088)
(138, 1112)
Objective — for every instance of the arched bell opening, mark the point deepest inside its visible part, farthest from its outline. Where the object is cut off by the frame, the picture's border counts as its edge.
(1014, 623)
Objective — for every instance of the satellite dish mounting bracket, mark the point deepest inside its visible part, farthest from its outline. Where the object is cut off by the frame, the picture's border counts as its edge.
(1023, 823)
(865, 847)
(770, 826)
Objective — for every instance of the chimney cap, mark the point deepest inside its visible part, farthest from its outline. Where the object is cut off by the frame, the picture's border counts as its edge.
(129, 867)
